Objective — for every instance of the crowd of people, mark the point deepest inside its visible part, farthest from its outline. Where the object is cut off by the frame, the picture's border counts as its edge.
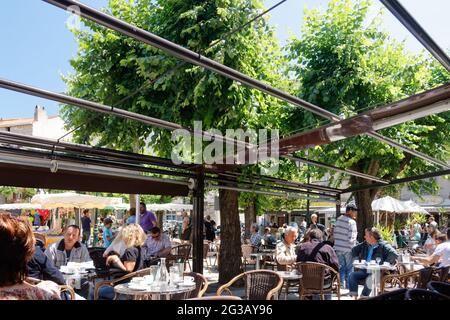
(339, 248)
(135, 246)
(25, 259)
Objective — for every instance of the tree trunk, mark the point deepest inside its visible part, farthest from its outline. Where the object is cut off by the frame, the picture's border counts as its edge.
(230, 236)
(365, 218)
(250, 216)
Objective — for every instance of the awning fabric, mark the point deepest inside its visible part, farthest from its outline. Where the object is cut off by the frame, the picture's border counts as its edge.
(34, 177)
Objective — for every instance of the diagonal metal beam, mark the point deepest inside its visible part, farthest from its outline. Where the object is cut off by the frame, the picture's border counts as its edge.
(185, 54)
(98, 107)
(337, 169)
(416, 153)
(398, 181)
(199, 60)
(417, 31)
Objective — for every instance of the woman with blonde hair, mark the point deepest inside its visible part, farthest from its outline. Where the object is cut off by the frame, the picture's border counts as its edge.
(133, 237)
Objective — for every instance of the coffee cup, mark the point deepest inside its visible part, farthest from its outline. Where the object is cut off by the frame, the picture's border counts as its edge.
(188, 280)
(148, 279)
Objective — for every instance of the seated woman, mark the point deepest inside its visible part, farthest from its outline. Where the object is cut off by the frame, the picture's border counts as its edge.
(132, 259)
(17, 247)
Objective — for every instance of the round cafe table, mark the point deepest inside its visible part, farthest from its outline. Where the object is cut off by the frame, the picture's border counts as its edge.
(375, 274)
(153, 291)
(289, 279)
(259, 255)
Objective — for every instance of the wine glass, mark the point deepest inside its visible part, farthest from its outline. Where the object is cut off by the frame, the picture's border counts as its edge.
(378, 260)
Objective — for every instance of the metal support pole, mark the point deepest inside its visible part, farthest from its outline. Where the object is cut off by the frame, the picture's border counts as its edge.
(308, 201)
(338, 206)
(138, 211)
(197, 224)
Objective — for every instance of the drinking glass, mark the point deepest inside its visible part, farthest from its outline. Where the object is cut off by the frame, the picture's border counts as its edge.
(378, 259)
(174, 276)
(154, 272)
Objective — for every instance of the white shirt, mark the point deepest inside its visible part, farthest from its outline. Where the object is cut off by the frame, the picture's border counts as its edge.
(443, 251)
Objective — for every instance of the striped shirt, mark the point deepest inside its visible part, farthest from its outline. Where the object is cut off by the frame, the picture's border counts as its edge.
(345, 234)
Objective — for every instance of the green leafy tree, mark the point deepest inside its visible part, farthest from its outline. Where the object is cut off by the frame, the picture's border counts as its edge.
(110, 67)
(347, 66)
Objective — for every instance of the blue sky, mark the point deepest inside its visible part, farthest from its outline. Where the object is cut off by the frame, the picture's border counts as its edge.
(36, 45)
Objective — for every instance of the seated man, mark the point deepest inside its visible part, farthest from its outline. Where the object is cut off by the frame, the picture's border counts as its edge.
(314, 250)
(440, 255)
(285, 250)
(42, 268)
(269, 239)
(373, 247)
(157, 244)
(70, 249)
(255, 238)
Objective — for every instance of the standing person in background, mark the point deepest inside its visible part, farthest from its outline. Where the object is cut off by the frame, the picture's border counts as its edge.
(432, 225)
(107, 233)
(37, 219)
(86, 226)
(30, 218)
(186, 226)
(148, 219)
(210, 233)
(345, 234)
(132, 218)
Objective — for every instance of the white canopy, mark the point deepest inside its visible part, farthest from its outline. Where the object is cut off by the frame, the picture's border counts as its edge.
(169, 206)
(389, 204)
(414, 207)
(71, 199)
(15, 206)
(393, 205)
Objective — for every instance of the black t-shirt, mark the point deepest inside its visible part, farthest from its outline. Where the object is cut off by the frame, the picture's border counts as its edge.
(210, 234)
(134, 254)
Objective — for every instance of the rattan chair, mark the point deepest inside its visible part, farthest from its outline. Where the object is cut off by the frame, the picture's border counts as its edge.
(247, 259)
(201, 285)
(439, 287)
(62, 288)
(425, 276)
(179, 253)
(407, 280)
(441, 274)
(139, 273)
(422, 294)
(258, 285)
(217, 298)
(313, 280)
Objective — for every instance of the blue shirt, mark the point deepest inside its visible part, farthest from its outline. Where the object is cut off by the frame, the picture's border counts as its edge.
(131, 219)
(370, 252)
(107, 233)
(37, 219)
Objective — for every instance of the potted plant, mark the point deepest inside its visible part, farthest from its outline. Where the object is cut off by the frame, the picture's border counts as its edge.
(387, 234)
